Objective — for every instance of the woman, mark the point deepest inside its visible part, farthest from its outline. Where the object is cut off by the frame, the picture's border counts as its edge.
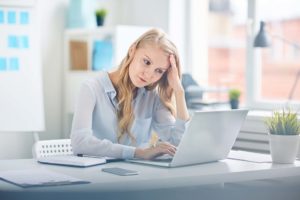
(117, 111)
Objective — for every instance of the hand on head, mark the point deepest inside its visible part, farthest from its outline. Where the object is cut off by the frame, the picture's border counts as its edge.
(173, 77)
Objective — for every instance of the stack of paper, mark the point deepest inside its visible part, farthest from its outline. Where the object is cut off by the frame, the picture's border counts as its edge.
(38, 177)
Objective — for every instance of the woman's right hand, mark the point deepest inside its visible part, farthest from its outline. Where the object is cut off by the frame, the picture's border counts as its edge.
(151, 152)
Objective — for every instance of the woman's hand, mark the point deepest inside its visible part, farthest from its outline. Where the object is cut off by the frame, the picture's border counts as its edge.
(175, 84)
(173, 77)
(151, 152)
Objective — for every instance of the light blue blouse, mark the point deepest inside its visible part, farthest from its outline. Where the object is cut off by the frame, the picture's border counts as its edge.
(94, 128)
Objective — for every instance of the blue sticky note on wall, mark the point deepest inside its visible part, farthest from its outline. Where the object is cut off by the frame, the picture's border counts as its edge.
(24, 18)
(24, 41)
(11, 17)
(2, 64)
(102, 55)
(12, 41)
(13, 64)
(1, 17)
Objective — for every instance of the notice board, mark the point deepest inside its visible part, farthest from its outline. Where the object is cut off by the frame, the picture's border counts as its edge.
(21, 90)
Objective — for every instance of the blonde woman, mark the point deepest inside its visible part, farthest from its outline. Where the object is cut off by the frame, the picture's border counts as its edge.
(117, 111)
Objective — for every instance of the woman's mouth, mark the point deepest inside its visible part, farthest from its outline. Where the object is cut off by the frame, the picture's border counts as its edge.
(142, 80)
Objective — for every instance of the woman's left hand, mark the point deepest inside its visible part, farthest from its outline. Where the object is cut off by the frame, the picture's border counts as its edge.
(173, 77)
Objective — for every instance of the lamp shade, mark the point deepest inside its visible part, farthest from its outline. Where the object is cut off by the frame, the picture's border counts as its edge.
(262, 38)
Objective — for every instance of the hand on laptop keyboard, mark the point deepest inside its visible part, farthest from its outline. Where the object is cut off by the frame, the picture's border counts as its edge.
(159, 149)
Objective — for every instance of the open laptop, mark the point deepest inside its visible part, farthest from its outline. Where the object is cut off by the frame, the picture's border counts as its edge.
(208, 138)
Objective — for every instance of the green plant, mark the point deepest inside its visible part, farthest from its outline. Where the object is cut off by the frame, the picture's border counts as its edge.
(234, 94)
(283, 123)
(101, 12)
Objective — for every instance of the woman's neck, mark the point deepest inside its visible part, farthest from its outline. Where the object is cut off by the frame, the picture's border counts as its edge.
(114, 77)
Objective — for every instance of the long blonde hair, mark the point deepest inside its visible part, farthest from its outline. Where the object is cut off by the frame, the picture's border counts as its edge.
(125, 88)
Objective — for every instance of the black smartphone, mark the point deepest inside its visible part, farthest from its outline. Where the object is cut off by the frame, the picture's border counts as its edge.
(120, 171)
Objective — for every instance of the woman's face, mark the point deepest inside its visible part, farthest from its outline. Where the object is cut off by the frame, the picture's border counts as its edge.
(148, 65)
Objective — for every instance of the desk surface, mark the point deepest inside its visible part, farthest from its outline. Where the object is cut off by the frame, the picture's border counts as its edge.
(150, 177)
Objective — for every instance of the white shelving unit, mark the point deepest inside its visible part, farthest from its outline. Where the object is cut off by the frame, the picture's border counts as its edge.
(121, 37)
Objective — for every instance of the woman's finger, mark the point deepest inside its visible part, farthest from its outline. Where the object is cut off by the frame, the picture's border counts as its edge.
(166, 145)
(167, 149)
(170, 149)
(172, 61)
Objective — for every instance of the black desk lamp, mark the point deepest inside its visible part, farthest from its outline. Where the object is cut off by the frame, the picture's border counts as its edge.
(262, 40)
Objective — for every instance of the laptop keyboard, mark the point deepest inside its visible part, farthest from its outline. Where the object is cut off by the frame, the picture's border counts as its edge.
(163, 158)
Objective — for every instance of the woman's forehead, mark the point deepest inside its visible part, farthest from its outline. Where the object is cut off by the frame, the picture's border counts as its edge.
(156, 54)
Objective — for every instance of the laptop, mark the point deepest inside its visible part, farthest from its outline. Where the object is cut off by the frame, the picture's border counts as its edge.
(209, 137)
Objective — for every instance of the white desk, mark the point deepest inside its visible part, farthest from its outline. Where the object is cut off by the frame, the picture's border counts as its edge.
(150, 178)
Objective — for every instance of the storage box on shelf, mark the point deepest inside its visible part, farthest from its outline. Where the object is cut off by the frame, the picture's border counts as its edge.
(87, 51)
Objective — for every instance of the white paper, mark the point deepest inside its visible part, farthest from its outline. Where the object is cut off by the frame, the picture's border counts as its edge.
(38, 177)
(250, 156)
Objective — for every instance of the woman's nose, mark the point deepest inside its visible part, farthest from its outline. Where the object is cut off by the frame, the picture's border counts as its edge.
(148, 72)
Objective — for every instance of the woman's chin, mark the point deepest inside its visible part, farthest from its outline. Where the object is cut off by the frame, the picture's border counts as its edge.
(139, 84)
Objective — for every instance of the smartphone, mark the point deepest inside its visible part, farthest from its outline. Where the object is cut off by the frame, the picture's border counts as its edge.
(120, 171)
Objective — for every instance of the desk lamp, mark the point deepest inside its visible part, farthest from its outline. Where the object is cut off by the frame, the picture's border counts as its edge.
(262, 40)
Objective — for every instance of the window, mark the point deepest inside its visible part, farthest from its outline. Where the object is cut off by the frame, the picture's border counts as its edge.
(227, 46)
(280, 63)
(265, 76)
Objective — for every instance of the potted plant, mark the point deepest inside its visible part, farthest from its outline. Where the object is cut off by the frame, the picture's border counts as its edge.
(284, 129)
(100, 16)
(234, 95)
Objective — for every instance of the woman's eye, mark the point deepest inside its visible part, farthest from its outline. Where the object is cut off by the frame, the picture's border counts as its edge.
(147, 62)
(159, 71)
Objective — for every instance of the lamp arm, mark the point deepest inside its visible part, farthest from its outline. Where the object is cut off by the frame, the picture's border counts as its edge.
(279, 37)
(292, 91)
(296, 46)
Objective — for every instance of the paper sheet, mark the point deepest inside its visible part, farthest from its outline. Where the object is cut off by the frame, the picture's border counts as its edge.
(249, 156)
(38, 177)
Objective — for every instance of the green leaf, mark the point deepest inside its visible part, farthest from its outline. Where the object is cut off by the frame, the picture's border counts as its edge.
(283, 123)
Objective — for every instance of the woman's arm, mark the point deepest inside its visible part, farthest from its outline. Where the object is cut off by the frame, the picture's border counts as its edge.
(182, 116)
(175, 84)
(82, 136)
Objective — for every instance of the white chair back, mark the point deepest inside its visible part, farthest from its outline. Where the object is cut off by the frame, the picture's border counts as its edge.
(46, 148)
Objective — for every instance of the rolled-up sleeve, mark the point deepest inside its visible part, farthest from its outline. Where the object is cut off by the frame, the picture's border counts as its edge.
(82, 137)
(166, 125)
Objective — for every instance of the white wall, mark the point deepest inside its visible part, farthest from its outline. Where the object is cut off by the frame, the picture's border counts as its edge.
(145, 13)
(169, 15)
(197, 55)
(51, 20)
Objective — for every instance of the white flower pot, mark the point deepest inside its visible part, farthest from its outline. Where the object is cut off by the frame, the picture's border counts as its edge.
(284, 148)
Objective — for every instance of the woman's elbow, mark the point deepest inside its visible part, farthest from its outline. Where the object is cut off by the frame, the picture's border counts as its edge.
(76, 143)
